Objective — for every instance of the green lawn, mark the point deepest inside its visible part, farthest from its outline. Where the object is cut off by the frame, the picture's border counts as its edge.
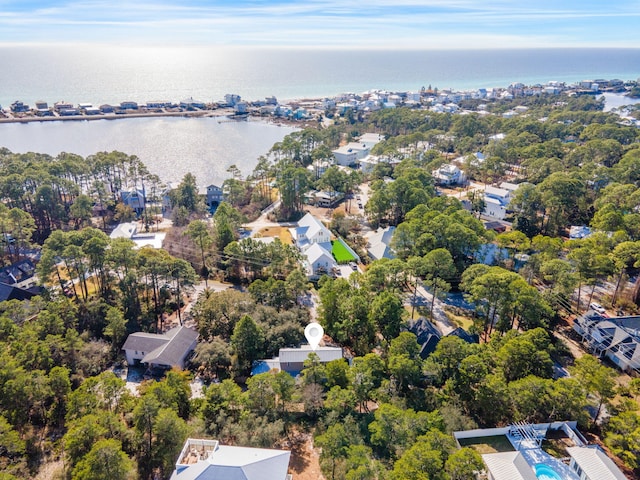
(340, 253)
(493, 444)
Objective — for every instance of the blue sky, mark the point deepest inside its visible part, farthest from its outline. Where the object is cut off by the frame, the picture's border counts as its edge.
(420, 24)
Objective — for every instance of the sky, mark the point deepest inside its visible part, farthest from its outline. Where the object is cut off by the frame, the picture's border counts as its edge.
(394, 24)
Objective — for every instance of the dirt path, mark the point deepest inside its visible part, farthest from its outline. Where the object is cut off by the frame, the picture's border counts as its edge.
(305, 459)
(50, 470)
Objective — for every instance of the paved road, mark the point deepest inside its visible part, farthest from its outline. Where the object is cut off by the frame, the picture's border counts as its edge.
(263, 222)
(424, 298)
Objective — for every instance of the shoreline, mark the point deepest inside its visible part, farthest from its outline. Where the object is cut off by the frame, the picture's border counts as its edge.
(116, 116)
(211, 113)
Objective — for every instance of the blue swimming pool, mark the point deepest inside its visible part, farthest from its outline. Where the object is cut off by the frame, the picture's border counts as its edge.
(545, 472)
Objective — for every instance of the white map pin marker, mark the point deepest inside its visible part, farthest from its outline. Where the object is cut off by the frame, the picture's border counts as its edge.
(314, 333)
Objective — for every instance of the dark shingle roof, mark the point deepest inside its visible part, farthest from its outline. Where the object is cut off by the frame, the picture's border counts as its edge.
(17, 272)
(9, 292)
(464, 335)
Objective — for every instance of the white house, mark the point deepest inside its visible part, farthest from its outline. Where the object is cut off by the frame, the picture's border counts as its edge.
(529, 461)
(508, 466)
(202, 459)
(166, 350)
(448, 175)
(309, 230)
(591, 463)
(350, 153)
(319, 260)
(313, 239)
(130, 230)
(368, 163)
(496, 202)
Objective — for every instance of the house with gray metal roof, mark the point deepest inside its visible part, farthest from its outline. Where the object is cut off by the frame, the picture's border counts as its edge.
(591, 463)
(379, 245)
(208, 460)
(167, 350)
(508, 465)
(291, 360)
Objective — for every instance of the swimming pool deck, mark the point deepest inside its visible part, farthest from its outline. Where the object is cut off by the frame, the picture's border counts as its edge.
(534, 454)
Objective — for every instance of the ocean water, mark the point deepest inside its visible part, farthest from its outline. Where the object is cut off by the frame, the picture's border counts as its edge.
(114, 74)
(169, 146)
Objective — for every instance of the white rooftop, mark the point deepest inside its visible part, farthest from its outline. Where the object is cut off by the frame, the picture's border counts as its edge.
(595, 463)
(124, 230)
(508, 466)
(207, 460)
(379, 243)
(300, 354)
(130, 230)
(496, 192)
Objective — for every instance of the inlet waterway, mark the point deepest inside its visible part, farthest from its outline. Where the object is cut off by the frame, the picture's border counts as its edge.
(169, 147)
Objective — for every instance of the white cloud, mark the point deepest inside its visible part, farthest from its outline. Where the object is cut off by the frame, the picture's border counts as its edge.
(400, 23)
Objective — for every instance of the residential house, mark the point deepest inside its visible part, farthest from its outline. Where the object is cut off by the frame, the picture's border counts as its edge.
(310, 230)
(368, 163)
(62, 105)
(191, 104)
(319, 260)
(68, 112)
(291, 360)
(42, 109)
(20, 274)
(318, 168)
(350, 153)
(617, 339)
(12, 292)
(379, 244)
(448, 175)
(324, 199)
(591, 463)
(579, 231)
(214, 195)
(496, 202)
(313, 239)
(130, 230)
(529, 461)
(231, 99)
(158, 104)
(428, 336)
(134, 198)
(508, 466)
(19, 107)
(202, 459)
(167, 350)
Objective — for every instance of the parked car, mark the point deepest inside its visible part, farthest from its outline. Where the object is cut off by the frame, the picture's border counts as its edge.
(596, 307)
(354, 266)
